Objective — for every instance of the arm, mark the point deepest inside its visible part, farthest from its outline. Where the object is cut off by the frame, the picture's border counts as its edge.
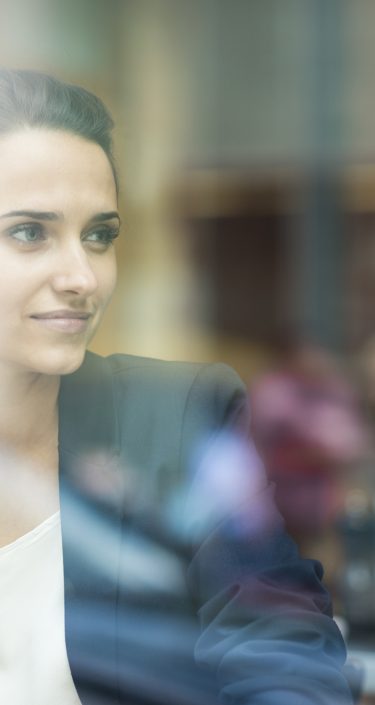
(267, 629)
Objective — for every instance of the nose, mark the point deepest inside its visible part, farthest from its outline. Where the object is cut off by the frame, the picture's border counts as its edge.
(74, 273)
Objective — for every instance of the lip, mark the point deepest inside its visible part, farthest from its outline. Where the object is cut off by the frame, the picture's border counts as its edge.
(65, 321)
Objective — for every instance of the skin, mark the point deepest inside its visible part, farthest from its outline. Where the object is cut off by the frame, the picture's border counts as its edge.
(63, 261)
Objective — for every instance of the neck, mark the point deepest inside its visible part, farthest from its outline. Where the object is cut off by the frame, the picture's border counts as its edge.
(29, 490)
(28, 410)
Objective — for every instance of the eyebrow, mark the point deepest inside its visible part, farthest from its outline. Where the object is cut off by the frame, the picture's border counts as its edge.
(47, 215)
(99, 217)
(38, 215)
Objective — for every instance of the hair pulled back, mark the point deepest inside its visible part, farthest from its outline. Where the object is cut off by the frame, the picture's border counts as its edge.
(34, 99)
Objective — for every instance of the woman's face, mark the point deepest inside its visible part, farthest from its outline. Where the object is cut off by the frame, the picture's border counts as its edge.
(58, 217)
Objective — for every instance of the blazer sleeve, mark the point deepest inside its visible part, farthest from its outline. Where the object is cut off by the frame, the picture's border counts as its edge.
(266, 624)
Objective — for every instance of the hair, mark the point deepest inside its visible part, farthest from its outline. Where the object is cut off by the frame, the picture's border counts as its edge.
(34, 99)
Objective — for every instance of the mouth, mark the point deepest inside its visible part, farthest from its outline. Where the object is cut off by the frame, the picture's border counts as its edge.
(66, 321)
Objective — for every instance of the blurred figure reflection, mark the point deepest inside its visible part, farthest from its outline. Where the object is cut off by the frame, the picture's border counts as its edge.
(310, 432)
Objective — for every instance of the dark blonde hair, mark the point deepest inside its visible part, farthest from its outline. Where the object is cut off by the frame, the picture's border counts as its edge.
(34, 99)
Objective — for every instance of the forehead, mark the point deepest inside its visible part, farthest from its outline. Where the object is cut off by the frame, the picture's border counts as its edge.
(51, 169)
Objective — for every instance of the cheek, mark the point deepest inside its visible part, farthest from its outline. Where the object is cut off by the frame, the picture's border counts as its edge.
(107, 277)
(16, 287)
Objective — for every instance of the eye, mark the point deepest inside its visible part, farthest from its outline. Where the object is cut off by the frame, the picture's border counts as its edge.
(27, 232)
(102, 237)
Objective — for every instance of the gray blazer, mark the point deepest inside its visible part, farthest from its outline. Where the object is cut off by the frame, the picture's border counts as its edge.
(130, 430)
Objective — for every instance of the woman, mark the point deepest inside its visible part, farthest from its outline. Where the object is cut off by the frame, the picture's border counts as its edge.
(121, 434)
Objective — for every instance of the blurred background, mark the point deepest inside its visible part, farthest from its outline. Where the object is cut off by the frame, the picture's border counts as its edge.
(245, 141)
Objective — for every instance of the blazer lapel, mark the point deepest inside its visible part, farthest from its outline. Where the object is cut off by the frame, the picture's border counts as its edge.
(91, 526)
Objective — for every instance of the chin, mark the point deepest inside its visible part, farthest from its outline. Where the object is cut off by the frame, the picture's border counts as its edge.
(61, 362)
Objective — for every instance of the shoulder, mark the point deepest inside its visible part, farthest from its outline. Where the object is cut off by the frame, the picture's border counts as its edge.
(155, 412)
(187, 386)
(161, 410)
(172, 371)
(140, 387)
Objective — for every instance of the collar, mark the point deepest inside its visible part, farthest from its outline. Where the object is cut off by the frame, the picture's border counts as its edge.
(87, 416)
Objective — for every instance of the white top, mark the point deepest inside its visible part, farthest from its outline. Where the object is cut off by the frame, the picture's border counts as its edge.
(34, 666)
